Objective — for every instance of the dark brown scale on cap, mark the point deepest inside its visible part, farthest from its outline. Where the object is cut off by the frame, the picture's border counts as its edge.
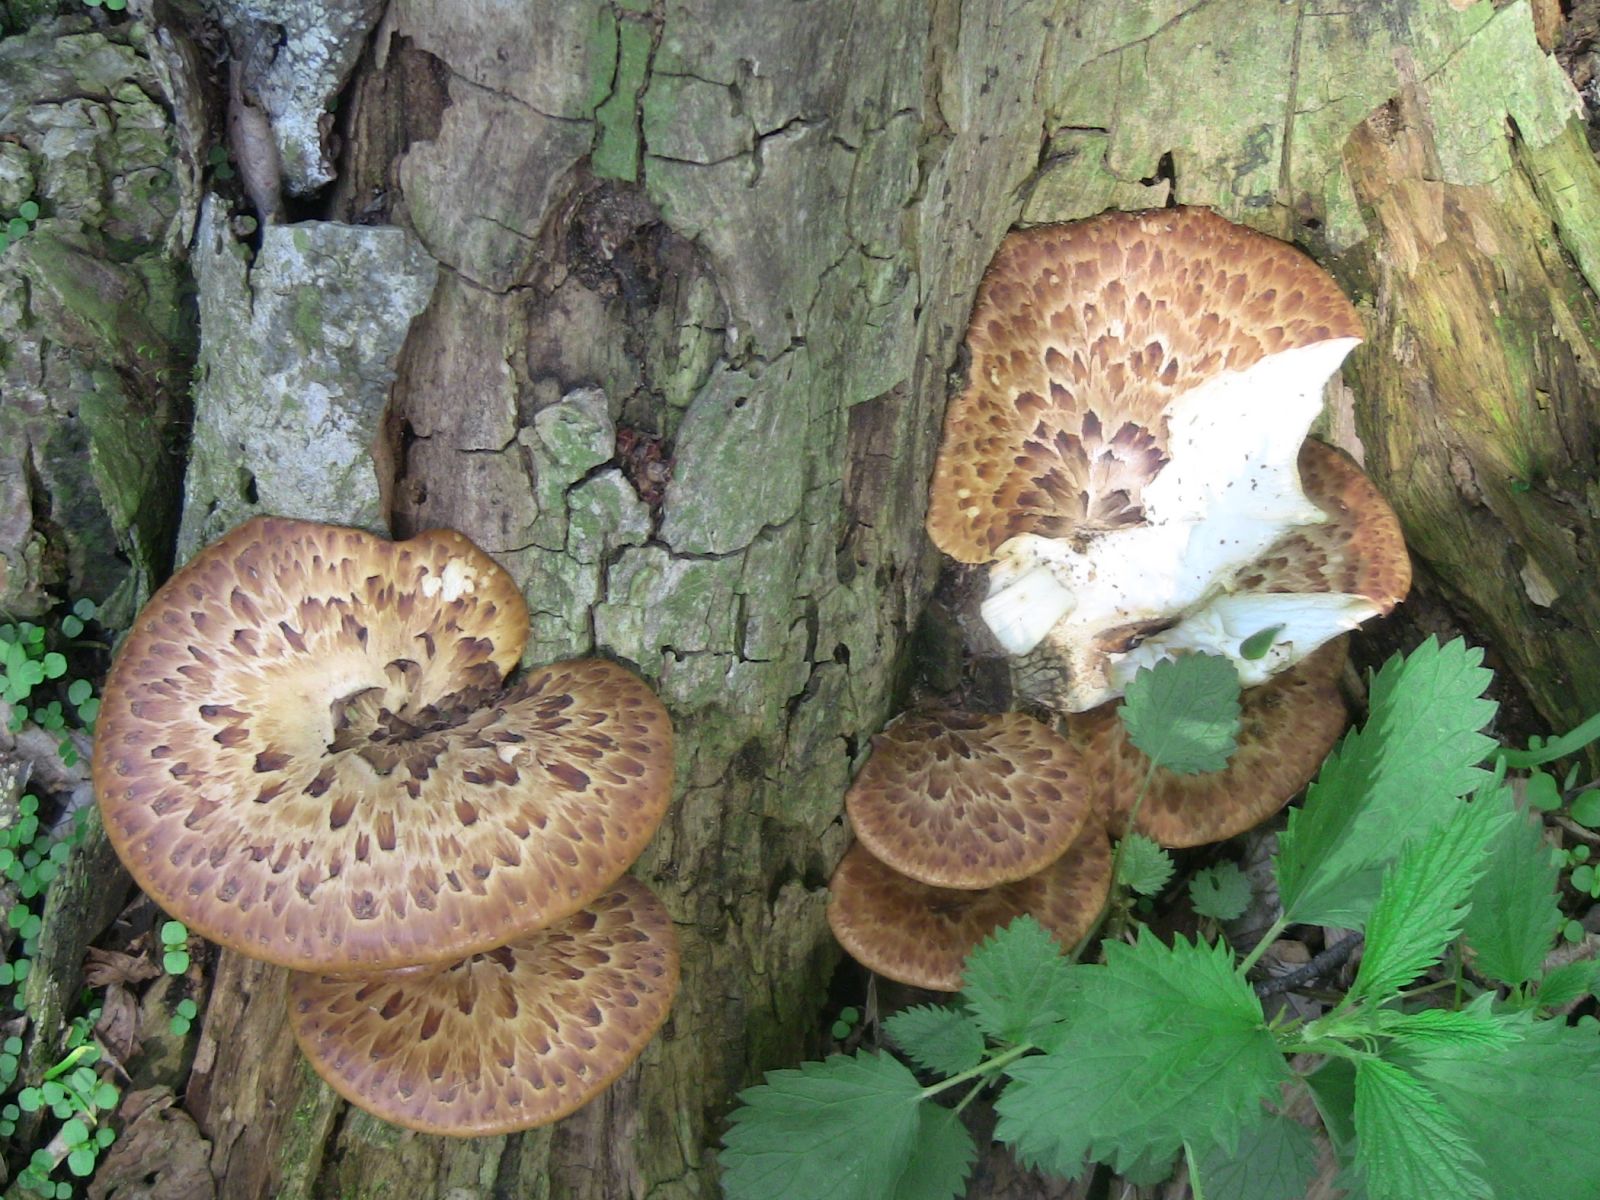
(962, 800)
(509, 1038)
(921, 935)
(373, 799)
(1082, 335)
(1287, 726)
(1358, 551)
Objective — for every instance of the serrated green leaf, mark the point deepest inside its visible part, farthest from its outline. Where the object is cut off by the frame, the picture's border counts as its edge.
(1275, 1160)
(1568, 982)
(1221, 892)
(844, 1129)
(1424, 896)
(1514, 916)
(1145, 866)
(1479, 1024)
(1526, 1109)
(1183, 713)
(941, 1157)
(1166, 1046)
(1408, 1145)
(1017, 983)
(937, 1037)
(1394, 779)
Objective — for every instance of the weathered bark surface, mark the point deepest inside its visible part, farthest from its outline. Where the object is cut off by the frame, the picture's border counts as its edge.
(702, 274)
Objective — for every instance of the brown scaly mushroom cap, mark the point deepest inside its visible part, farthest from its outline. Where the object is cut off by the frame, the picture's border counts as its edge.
(1314, 583)
(922, 935)
(508, 1038)
(1286, 728)
(963, 800)
(1139, 388)
(304, 753)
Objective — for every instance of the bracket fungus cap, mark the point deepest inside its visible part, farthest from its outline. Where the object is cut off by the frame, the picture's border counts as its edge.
(921, 935)
(304, 752)
(509, 1038)
(965, 800)
(1287, 726)
(1139, 389)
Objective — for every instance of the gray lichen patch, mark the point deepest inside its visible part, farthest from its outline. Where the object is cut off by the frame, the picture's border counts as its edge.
(295, 58)
(299, 353)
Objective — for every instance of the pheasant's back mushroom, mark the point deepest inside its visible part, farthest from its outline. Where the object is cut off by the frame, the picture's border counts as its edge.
(305, 754)
(506, 1039)
(1140, 386)
(964, 800)
(1286, 728)
(921, 935)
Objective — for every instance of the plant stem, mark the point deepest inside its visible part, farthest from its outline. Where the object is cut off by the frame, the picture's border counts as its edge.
(1568, 743)
(1194, 1172)
(1261, 947)
(1116, 867)
(987, 1067)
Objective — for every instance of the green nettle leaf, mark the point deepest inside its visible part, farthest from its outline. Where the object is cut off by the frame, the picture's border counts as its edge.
(1183, 713)
(1397, 777)
(1568, 982)
(845, 1129)
(1221, 892)
(941, 1157)
(1017, 984)
(939, 1038)
(1145, 866)
(1514, 915)
(1527, 1108)
(1423, 900)
(1479, 1024)
(1408, 1145)
(1275, 1160)
(1167, 1045)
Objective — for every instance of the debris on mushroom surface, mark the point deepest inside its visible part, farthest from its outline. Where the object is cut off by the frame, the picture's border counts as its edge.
(307, 752)
(921, 935)
(507, 1038)
(1287, 726)
(304, 752)
(1140, 388)
(963, 800)
(1314, 583)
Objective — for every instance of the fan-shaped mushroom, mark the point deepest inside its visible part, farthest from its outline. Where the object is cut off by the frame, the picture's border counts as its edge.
(963, 800)
(1287, 726)
(921, 934)
(507, 1038)
(304, 753)
(1140, 386)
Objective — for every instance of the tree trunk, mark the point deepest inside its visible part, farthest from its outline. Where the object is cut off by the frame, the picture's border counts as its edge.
(689, 282)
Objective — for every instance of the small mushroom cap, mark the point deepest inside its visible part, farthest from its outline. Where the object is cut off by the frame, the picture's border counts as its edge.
(1082, 336)
(964, 800)
(507, 1039)
(303, 753)
(921, 935)
(1287, 726)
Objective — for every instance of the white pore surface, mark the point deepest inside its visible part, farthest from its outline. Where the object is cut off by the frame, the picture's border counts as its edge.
(1230, 490)
(1304, 621)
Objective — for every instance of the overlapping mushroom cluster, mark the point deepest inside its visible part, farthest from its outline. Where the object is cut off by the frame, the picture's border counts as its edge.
(1130, 458)
(307, 752)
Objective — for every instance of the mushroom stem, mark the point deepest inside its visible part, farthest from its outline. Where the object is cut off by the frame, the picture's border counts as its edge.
(1020, 611)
